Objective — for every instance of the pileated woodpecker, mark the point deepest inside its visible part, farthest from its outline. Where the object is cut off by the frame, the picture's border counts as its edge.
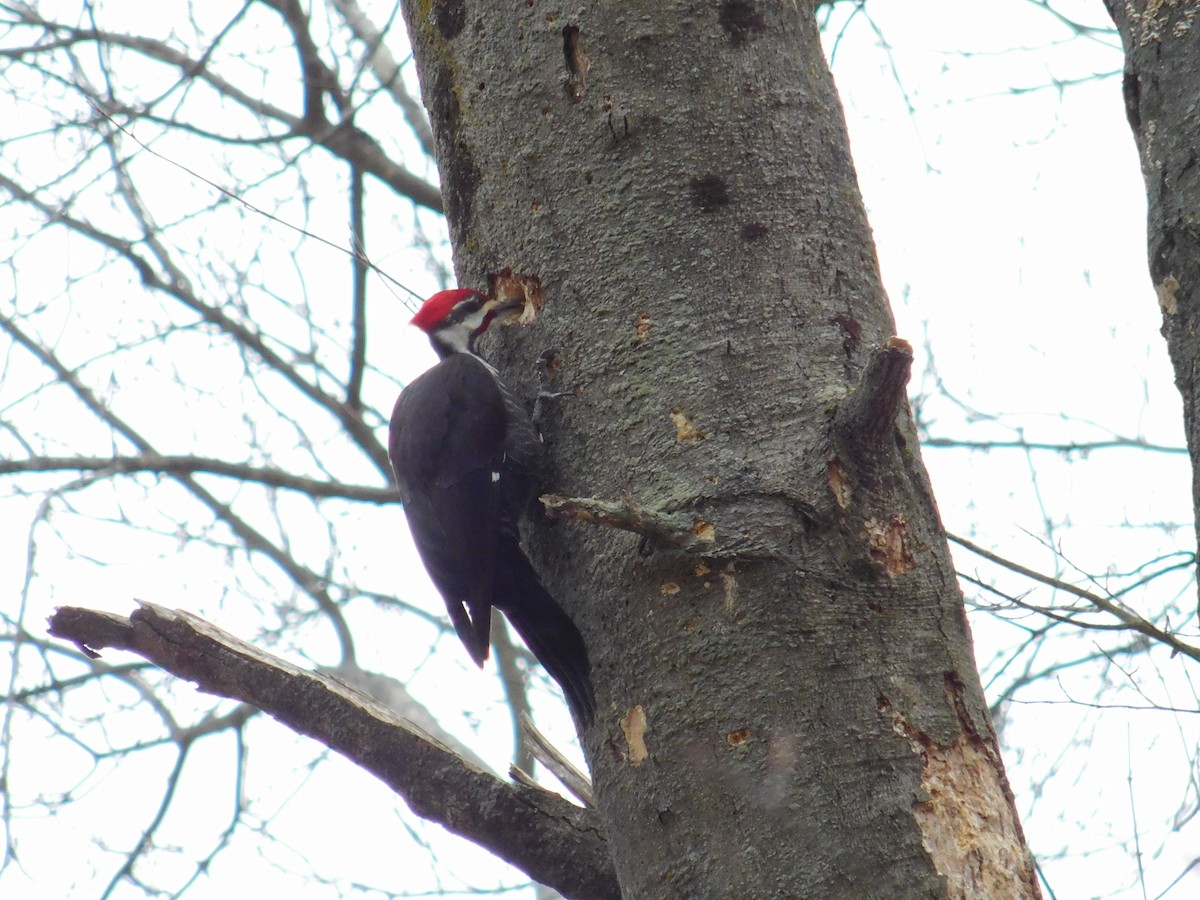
(464, 452)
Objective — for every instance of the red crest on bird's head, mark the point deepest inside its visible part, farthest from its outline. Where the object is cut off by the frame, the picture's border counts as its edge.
(434, 310)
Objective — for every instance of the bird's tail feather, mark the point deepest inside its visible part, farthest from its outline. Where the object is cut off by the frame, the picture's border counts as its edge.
(546, 630)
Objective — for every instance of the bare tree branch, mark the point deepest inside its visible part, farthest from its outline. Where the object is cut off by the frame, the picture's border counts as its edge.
(358, 349)
(388, 71)
(196, 465)
(1068, 448)
(551, 840)
(1125, 617)
(243, 335)
(350, 143)
(344, 139)
(304, 578)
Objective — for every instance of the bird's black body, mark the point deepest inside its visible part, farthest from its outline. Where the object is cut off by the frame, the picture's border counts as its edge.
(464, 453)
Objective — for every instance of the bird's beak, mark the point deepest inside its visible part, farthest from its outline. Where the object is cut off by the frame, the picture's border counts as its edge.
(504, 304)
(506, 310)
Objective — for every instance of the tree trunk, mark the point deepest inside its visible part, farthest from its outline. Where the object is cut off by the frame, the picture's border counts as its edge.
(1162, 57)
(789, 706)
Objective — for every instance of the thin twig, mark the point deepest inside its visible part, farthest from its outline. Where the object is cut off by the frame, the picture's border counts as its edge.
(1126, 617)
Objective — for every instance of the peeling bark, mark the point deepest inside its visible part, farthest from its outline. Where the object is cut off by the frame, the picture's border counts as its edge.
(966, 816)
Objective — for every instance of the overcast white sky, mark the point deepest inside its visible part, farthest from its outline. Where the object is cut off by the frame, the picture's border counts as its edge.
(1009, 216)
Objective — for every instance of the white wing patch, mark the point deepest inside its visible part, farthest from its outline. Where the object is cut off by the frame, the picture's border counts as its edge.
(495, 477)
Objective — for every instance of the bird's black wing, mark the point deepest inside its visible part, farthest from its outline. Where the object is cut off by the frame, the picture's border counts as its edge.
(446, 444)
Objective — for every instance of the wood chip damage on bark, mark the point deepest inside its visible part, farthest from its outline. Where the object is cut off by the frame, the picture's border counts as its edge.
(730, 585)
(643, 325)
(888, 545)
(1166, 291)
(839, 484)
(509, 285)
(967, 825)
(576, 62)
(685, 429)
(633, 724)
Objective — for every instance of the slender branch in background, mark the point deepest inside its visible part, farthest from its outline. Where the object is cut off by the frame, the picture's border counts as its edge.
(387, 70)
(221, 189)
(196, 465)
(1058, 616)
(1126, 617)
(345, 139)
(244, 336)
(1106, 35)
(358, 326)
(371, 157)
(1194, 863)
(368, 152)
(318, 80)
(1137, 836)
(1186, 560)
(1081, 448)
(14, 676)
(1031, 676)
(125, 872)
(67, 36)
(308, 581)
(202, 866)
(515, 688)
(62, 685)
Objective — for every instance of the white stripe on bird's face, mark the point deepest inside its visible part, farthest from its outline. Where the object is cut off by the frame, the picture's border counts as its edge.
(457, 337)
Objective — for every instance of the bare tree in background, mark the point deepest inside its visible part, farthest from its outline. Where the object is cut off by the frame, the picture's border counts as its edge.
(203, 414)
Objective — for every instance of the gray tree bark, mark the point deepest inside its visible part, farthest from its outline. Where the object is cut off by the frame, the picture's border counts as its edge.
(789, 706)
(1162, 57)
